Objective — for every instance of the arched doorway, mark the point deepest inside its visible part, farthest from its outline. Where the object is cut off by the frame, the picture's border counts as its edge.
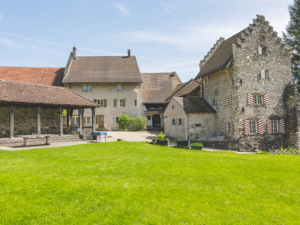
(156, 123)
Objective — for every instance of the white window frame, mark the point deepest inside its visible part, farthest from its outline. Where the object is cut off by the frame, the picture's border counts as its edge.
(119, 87)
(275, 126)
(228, 127)
(100, 103)
(119, 102)
(115, 119)
(253, 127)
(86, 119)
(256, 99)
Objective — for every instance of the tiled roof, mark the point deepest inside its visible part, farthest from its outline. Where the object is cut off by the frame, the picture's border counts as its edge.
(194, 105)
(183, 90)
(221, 57)
(104, 69)
(19, 92)
(34, 75)
(157, 86)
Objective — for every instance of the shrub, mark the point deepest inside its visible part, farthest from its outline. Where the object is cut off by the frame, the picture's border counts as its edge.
(160, 136)
(123, 121)
(140, 123)
(132, 123)
(197, 144)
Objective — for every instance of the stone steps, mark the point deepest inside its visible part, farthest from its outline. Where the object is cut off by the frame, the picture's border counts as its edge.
(19, 141)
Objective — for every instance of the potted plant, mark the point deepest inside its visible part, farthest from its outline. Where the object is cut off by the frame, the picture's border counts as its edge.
(183, 143)
(160, 139)
(197, 145)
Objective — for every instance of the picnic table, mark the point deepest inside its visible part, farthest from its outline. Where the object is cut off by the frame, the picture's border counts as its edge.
(36, 136)
(98, 134)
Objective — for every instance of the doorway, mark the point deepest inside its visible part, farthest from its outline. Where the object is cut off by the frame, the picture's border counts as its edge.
(156, 121)
(101, 121)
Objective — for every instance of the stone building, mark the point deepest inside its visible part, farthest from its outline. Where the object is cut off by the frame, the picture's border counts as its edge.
(246, 79)
(155, 89)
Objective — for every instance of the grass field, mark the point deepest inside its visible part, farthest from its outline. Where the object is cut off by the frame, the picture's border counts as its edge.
(138, 183)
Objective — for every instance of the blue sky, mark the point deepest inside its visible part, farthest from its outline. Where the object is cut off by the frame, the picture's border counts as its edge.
(167, 35)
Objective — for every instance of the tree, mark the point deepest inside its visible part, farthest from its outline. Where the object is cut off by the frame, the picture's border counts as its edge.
(292, 39)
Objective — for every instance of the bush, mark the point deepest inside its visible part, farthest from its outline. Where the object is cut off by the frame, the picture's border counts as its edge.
(123, 121)
(160, 136)
(132, 123)
(197, 144)
(140, 123)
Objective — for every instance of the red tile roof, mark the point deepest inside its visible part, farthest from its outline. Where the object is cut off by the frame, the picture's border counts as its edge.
(34, 75)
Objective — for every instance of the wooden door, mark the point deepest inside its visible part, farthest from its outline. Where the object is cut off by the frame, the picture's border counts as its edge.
(100, 121)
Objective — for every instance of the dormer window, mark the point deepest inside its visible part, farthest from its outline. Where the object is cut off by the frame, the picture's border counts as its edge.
(119, 88)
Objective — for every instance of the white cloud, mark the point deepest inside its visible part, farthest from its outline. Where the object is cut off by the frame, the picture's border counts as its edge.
(168, 11)
(7, 42)
(122, 8)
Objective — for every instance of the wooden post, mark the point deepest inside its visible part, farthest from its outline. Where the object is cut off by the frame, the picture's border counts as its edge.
(12, 109)
(60, 110)
(38, 119)
(93, 119)
(68, 119)
(80, 112)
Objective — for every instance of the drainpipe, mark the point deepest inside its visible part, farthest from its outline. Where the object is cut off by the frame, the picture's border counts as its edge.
(188, 126)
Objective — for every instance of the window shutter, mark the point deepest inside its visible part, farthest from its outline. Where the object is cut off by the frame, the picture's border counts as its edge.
(207, 82)
(212, 101)
(250, 99)
(229, 100)
(193, 125)
(269, 127)
(261, 127)
(231, 127)
(105, 103)
(203, 125)
(223, 77)
(97, 119)
(262, 74)
(124, 102)
(115, 102)
(260, 50)
(228, 75)
(224, 102)
(84, 119)
(247, 127)
(216, 101)
(95, 100)
(224, 127)
(282, 127)
(267, 99)
(176, 121)
(182, 121)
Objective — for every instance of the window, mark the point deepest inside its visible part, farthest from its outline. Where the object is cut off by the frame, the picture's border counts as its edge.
(119, 102)
(198, 125)
(86, 88)
(173, 122)
(101, 103)
(262, 37)
(274, 124)
(149, 117)
(253, 126)
(88, 120)
(258, 99)
(180, 121)
(119, 87)
(264, 51)
(228, 101)
(135, 102)
(77, 120)
(115, 119)
(228, 127)
(172, 106)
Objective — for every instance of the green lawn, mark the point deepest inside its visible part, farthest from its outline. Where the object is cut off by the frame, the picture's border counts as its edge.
(138, 183)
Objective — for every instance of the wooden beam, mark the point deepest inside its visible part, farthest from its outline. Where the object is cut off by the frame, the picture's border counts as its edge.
(12, 109)
(68, 119)
(60, 110)
(38, 119)
(93, 119)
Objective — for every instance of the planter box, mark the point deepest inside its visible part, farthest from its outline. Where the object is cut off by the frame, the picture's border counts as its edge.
(197, 147)
(183, 143)
(162, 142)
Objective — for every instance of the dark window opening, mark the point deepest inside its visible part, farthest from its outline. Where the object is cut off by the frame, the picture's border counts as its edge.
(198, 125)
(180, 121)
(173, 122)
(264, 51)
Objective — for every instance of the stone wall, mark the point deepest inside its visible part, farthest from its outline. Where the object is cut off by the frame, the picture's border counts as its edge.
(26, 120)
(130, 92)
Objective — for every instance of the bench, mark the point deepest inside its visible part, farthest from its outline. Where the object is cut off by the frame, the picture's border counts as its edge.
(98, 134)
(35, 136)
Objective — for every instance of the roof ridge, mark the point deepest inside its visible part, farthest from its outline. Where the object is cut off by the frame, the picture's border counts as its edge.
(184, 84)
(32, 67)
(32, 84)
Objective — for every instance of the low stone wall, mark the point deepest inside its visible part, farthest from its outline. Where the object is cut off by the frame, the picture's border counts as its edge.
(224, 144)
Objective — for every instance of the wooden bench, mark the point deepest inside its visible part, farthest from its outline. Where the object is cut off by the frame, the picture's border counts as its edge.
(98, 134)
(35, 136)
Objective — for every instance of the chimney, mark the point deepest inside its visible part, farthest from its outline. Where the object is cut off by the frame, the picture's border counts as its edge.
(128, 53)
(74, 52)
